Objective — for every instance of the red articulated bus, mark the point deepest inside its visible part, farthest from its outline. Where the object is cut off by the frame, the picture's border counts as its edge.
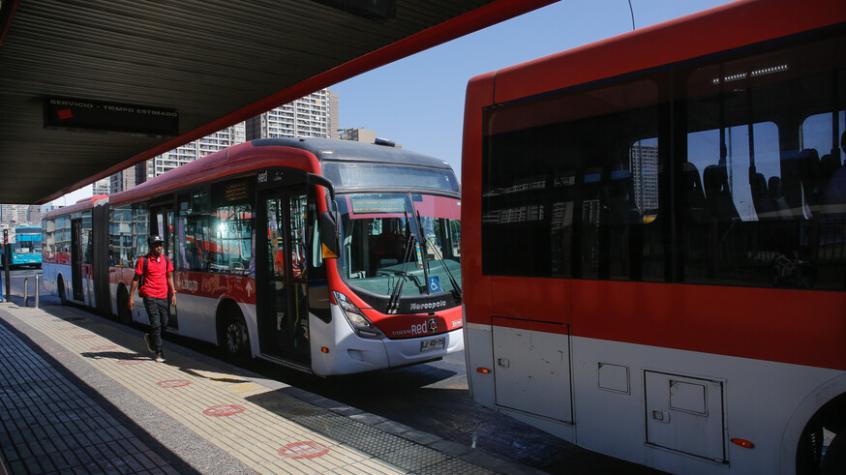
(655, 241)
(330, 257)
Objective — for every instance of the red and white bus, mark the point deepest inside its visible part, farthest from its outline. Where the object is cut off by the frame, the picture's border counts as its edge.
(330, 257)
(655, 241)
(67, 262)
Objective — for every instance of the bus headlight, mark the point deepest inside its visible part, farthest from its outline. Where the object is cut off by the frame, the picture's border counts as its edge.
(362, 326)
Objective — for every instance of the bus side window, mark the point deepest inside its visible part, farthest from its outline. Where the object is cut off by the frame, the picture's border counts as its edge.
(765, 149)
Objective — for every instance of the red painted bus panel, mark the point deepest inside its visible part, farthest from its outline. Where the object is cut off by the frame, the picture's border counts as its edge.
(728, 27)
(229, 162)
(81, 205)
(480, 93)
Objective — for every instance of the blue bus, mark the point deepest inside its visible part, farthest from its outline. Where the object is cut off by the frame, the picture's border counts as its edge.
(26, 250)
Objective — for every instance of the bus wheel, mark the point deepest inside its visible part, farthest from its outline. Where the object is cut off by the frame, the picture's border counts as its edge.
(834, 461)
(60, 288)
(124, 316)
(813, 457)
(234, 338)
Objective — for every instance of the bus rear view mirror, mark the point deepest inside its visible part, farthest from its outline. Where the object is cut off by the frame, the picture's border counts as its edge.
(328, 236)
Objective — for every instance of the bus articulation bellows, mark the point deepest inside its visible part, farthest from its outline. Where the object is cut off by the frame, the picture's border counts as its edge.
(330, 257)
(654, 238)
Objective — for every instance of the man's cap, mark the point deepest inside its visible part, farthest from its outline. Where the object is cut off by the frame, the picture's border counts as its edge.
(154, 239)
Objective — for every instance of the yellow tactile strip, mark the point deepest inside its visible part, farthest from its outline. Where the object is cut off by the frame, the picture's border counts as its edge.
(262, 440)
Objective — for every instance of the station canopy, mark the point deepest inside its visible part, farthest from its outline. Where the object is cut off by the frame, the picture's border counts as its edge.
(89, 88)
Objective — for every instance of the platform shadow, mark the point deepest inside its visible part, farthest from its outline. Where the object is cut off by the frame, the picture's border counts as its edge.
(52, 417)
(115, 355)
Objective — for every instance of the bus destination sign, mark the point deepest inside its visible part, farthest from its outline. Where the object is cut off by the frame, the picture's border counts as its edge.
(237, 191)
(64, 112)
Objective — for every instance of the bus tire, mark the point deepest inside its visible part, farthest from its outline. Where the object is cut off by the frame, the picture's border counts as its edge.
(834, 461)
(123, 313)
(811, 455)
(60, 289)
(233, 336)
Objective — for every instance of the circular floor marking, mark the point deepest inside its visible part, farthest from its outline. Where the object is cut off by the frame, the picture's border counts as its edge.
(174, 383)
(303, 449)
(224, 410)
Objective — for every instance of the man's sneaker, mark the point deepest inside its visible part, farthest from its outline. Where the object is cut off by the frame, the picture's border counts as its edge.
(160, 358)
(148, 343)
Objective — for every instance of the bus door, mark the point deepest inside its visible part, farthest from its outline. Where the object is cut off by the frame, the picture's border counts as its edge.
(100, 259)
(282, 304)
(76, 260)
(162, 224)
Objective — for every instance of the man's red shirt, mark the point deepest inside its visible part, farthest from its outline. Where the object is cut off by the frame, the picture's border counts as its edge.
(155, 282)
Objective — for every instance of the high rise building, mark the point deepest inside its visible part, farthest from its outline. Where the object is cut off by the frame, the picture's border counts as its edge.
(364, 135)
(190, 152)
(644, 166)
(122, 180)
(101, 187)
(358, 135)
(141, 172)
(7, 214)
(34, 215)
(334, 115)
(47, 208)
(12, 215)
(314, 115)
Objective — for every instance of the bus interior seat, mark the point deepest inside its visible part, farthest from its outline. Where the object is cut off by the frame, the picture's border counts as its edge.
(800, 170)
(760, 194)
(830, 174)
(694, 192)
(718, 199)
(775, 192)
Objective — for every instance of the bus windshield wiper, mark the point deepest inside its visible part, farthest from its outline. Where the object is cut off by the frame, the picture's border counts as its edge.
(393, 302)
(425, 252)
(396, 291)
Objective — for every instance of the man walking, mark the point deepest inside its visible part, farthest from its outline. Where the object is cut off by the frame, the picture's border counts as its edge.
(154, 281)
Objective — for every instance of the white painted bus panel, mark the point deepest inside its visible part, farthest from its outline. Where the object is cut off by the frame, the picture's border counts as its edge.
(685, 414)
(480, 338)
(532, 372)
(769, 410)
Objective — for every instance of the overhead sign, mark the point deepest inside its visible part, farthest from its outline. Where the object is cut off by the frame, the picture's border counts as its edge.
(64, 112)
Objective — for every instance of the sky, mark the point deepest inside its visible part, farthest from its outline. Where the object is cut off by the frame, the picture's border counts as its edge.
(419, 101)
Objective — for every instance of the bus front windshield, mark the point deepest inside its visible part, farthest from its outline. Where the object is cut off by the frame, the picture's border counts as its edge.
(400, 244)
(27, 247)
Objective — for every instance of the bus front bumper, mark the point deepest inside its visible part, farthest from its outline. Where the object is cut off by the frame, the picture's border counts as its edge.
(418, 350)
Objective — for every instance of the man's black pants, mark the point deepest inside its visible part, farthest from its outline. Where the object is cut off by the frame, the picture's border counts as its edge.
(158, 312)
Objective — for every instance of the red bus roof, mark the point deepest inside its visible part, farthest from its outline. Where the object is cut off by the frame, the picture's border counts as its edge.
(81, 205)
(232, 161)
(304, 153)
(718, 29)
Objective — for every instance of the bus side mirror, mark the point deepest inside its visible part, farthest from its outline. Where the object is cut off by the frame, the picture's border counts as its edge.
(328, 236)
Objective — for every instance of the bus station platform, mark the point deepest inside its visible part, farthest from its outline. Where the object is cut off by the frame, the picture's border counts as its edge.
(80, 394)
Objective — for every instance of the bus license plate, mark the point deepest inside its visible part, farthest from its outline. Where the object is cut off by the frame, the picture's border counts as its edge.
(432, 345)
